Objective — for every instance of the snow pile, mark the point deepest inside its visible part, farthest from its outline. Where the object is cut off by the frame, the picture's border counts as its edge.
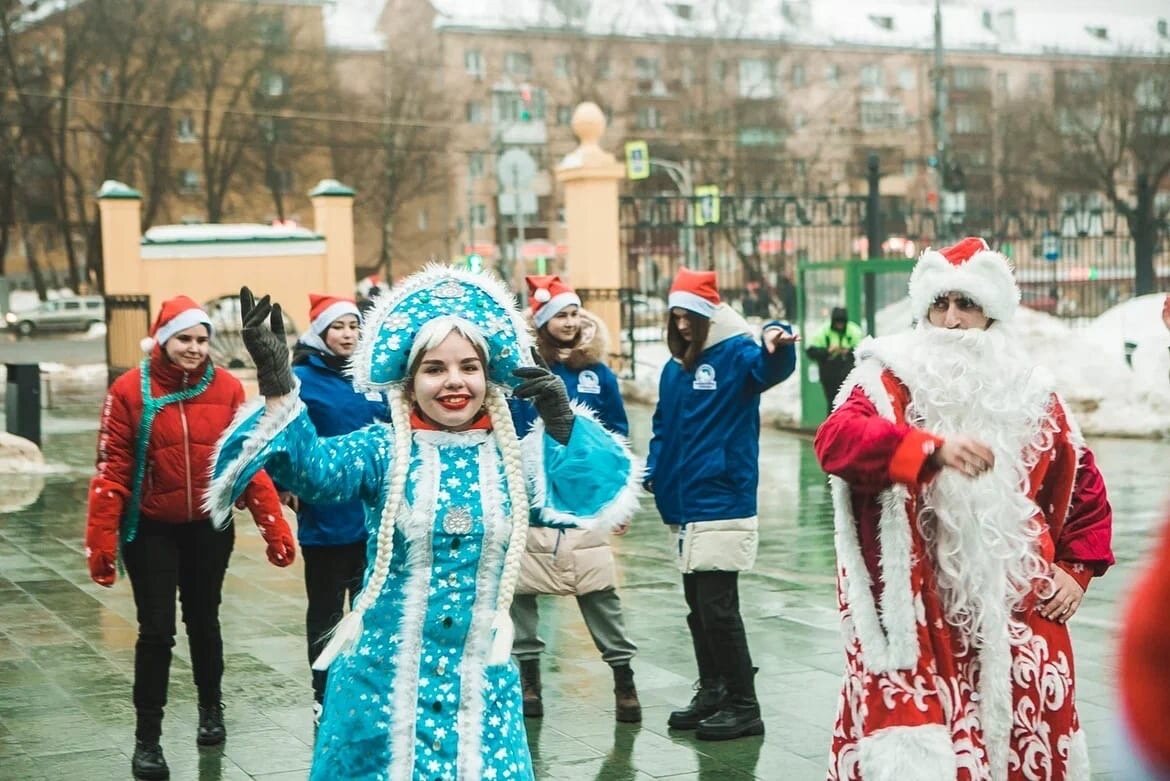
(1088, 363)
(23, 469)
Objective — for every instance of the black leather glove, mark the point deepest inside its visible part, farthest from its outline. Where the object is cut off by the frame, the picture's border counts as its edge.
(547, 393)
(267, 345)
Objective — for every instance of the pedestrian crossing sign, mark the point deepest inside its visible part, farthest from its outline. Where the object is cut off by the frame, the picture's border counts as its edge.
(637, 160)
(706, 205)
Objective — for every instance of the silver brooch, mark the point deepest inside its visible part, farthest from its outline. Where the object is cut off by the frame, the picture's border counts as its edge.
(458, 520)
(449, 289)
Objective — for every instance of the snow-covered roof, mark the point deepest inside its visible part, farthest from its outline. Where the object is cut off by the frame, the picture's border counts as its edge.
(905, 24)
(353, 25)
(178, 234)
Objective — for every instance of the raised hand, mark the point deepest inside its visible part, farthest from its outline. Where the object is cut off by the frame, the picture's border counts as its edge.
(266, 343)
(547, 393)
(776, 337)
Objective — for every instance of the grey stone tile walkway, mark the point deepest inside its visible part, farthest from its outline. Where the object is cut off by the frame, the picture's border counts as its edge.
(66, 645)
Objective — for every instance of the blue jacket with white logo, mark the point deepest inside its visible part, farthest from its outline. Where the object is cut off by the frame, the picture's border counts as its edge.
(334, 408)
(587, 379)
(705, 449)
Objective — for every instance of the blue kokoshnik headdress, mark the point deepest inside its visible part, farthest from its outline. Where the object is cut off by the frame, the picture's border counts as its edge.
(480, 299)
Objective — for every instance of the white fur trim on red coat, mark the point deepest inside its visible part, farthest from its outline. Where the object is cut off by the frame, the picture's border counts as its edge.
(987, 278)
(922, 753)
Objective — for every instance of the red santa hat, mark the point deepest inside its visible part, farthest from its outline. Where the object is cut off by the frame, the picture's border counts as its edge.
(177, 314)
(694, 291)
(547, 295)
(323, 310)
(970, 267)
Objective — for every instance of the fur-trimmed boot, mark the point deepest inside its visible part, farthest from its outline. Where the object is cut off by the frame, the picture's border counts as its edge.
(627, 707)
(530, 680)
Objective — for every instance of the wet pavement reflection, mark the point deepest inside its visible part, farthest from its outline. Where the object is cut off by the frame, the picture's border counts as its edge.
(67, 645)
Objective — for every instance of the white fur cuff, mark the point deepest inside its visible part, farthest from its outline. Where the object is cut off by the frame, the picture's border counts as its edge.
(923, 753)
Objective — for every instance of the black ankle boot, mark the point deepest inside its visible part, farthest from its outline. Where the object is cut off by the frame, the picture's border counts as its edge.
(627, 708)
(148, 762)
(738, 718)
(708, 698)
(530, 681)
(211, 730)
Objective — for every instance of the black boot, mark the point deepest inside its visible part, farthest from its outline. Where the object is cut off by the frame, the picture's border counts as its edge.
(148, 762)
(740, 714)
(211, 730)
(530, 680)
(709, 697)
(627, 707)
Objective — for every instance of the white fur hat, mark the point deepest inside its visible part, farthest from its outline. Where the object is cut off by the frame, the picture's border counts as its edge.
(970, 267)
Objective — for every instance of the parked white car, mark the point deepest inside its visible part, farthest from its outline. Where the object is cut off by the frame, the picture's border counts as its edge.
(61, 314)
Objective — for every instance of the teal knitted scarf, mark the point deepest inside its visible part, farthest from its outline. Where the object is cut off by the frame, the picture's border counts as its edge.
(151, 406)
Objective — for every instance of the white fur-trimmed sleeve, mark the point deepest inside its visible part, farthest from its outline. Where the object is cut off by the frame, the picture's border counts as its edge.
(593, 482)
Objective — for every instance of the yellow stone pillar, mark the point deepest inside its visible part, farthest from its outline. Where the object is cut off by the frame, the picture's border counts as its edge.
(590, 177)
(128, 302)
(333, 219)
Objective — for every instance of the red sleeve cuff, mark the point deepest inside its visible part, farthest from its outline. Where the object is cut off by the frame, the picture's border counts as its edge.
(906, 467)
(1081, 573)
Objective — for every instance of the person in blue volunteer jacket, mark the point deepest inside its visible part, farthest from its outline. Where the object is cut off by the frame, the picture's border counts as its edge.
(703, 470)
(332, 536)
(573, 562)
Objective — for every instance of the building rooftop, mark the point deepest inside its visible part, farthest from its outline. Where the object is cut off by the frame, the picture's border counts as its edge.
(898, 24)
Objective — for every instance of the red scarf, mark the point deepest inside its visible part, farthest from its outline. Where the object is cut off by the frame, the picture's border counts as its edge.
(482, 422)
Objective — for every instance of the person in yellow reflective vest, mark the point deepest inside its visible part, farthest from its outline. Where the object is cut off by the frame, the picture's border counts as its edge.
(832, 348)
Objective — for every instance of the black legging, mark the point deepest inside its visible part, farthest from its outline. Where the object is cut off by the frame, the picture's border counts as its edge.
(190, 558)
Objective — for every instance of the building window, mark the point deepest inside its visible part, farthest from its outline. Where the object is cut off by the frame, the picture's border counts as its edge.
(686, 75)
(1035, 84)
(798, 78)
(648, 118)
(480, 214)
(832, 75)
(475, 165)
(971, 78)
(474, 112)
(185, 128)
(871, 76)
(561, 66)
(759, 136)
(274, 85)
(907, 78)
(473, 63)
(564, 115)
(718, 71)
(756, 79)
(524, 105)
(969, 119)
(189, 181)
(645, 68)
(909, 168)
(518, 64)
(881, 115)
(604, 68)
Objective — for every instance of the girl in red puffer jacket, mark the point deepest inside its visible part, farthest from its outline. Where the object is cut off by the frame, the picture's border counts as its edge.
(159, 427)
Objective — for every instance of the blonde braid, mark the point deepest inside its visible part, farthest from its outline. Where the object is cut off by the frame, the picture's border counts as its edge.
(349, 630)
(395, 496)
(509, 445)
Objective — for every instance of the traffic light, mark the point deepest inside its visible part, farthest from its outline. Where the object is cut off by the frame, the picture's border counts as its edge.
(526, 103)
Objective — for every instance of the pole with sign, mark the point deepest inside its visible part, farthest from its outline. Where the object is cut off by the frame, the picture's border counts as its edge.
(706, 205)
(637, 160)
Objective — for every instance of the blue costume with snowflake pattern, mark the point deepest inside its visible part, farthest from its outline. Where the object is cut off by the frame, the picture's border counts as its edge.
(415, 698)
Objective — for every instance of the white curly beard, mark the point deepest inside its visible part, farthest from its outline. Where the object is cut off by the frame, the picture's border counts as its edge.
(982, 533)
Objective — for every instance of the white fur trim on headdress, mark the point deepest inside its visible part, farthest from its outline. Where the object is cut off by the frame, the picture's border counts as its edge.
(181, 322)
(986, 277)
(691, 302)
(555, 304)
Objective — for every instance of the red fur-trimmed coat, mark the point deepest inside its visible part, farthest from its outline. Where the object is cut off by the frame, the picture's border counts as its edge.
(913, 706)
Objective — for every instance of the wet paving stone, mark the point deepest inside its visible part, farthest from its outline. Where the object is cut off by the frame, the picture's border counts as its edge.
(66, 645)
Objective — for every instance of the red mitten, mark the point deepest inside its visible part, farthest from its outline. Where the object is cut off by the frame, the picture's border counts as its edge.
(101, 531)
(282, 551)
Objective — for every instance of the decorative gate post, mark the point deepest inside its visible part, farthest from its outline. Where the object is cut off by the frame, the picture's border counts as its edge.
(590, 177)
(127, 301)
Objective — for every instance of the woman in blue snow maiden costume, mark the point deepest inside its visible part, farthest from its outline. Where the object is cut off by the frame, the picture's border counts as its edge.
(420, 683)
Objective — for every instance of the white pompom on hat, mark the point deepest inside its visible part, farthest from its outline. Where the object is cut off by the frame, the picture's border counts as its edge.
(547, 295)
(969, 267)
(176, 314)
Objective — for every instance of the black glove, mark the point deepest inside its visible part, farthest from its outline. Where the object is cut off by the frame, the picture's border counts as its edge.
(547, 393)
(267, 346)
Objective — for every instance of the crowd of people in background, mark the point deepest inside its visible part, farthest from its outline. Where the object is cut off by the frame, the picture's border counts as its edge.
(453, 461)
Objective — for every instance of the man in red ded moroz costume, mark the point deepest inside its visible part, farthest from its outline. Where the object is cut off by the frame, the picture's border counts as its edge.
(970, 517)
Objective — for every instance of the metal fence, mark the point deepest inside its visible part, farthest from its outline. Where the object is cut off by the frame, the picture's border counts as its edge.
(1073, 263)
